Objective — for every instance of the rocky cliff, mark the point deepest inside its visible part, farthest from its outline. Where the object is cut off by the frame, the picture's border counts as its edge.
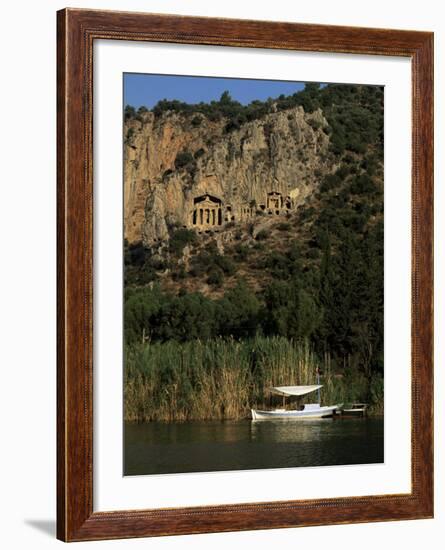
(183, 171)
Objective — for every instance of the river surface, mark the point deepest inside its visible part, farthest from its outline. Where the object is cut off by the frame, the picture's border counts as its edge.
(161, 448)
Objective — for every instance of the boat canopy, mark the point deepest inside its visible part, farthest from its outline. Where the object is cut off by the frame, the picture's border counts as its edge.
(294, 390)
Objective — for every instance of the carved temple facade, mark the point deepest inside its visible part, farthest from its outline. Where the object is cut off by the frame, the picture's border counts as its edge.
(207, 211)
(210, 213)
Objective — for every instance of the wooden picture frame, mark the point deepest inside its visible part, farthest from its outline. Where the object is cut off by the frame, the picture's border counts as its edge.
(77, 31)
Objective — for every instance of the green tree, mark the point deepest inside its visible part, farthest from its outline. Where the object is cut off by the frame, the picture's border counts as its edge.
(238, 312)
(129, 112)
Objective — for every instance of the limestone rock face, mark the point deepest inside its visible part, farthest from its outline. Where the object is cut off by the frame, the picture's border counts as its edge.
(191, 172)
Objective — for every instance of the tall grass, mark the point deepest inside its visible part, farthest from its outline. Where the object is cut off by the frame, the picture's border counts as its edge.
(223, 379)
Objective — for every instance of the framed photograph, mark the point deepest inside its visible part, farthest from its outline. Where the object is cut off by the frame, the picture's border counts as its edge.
(245, 228)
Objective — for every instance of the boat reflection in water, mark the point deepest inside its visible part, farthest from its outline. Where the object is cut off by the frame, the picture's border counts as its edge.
(288, 431)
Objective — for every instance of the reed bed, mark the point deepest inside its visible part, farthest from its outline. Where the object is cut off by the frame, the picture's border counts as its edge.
(224, 378)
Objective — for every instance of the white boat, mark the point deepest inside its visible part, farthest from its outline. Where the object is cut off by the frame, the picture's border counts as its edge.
(308, 411)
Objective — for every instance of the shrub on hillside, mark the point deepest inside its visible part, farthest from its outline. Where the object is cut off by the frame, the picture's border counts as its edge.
(179, 239)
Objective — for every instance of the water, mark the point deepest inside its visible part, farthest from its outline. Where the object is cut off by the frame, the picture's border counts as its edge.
(161, 448)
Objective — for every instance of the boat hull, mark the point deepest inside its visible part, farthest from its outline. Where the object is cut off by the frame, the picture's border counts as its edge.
(320, 412)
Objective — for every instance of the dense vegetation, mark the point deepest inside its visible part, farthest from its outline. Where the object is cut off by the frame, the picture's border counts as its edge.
(223, 378)
(319, 274)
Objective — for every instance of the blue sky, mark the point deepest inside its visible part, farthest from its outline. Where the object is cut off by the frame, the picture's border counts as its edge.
(146, 89)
